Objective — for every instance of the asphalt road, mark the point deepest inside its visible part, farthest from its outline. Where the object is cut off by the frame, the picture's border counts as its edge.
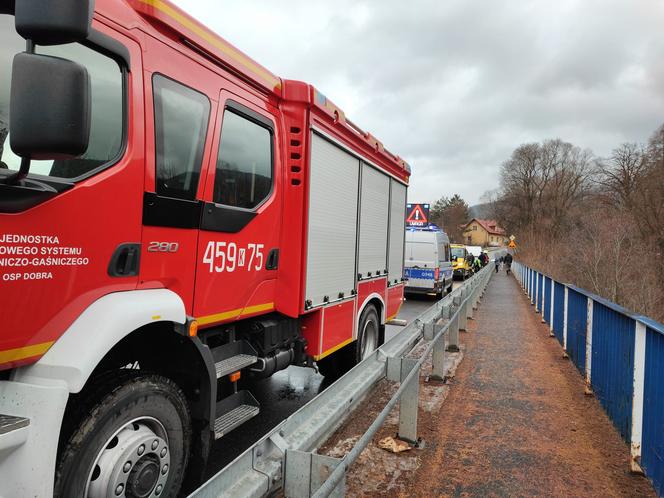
(285, 392)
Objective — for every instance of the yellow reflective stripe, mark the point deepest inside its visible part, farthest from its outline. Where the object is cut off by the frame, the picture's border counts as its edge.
(332, 350)
(218, 43)
(227, 315)
(24, 352)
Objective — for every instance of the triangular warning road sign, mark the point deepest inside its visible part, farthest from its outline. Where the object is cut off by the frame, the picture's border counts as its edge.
(417, 215)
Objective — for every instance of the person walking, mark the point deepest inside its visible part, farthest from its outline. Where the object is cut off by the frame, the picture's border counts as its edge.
(498, 261)
(508, 263)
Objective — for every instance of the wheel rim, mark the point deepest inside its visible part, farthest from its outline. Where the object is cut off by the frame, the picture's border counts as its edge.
(134, 462)
(369, 338)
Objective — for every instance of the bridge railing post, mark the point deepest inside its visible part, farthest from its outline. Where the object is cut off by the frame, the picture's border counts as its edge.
(543, 305)
(638, 397)
(553, 304)
(565, 314)
(589, 344)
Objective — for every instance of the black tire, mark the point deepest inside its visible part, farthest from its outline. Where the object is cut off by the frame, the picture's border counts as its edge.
(122, 402)
(369, 324)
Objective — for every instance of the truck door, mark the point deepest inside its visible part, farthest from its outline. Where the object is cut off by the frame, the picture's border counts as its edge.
(179, 118)
(238, 253)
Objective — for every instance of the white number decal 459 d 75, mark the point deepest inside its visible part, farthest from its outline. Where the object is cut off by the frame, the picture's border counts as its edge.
(227, 256)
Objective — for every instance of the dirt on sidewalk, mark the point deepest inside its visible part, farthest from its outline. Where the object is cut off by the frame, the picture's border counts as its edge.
(516, 421)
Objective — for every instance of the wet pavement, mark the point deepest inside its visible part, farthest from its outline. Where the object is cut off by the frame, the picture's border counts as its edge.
(284, 393)
(516, 421)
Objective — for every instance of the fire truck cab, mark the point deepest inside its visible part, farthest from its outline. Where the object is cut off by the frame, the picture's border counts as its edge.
(174, 219)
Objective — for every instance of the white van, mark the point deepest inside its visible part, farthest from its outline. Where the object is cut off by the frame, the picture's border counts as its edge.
(427, 265)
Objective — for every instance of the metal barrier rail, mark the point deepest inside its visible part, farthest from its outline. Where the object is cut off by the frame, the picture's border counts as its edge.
(621, 356)
(285, 458)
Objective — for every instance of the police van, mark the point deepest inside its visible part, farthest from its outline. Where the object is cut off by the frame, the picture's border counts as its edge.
(427, 265)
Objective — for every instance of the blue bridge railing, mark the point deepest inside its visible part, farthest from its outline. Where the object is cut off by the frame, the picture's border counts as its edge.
(621, 356)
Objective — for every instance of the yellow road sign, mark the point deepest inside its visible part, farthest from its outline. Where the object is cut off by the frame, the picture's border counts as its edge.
(511, 245)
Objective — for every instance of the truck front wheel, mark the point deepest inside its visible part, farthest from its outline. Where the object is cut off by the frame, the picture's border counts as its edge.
(131, 439)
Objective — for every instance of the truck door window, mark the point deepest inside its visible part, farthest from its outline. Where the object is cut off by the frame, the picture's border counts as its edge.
(244, 165)
(106, 126)
(181, 118)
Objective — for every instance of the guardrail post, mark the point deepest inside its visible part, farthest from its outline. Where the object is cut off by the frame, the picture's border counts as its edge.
(429, 330)
(438, 357)
(307, 471)
(468, 306)
(537, 288)
(397, 370)
(638, 397)
(463, 319)
(474, 296)
(453, 334)
(589, 345)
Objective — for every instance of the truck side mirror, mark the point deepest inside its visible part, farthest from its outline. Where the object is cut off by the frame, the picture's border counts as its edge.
(53, 22)
(49, 116)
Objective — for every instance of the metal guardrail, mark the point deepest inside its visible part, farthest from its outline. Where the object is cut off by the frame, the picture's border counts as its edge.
(619, 353)
(285, 458)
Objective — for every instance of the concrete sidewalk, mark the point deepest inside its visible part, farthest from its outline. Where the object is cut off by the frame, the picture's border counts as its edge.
(516, 421)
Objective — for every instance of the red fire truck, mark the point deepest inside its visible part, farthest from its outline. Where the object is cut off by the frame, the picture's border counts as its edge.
(174, 219)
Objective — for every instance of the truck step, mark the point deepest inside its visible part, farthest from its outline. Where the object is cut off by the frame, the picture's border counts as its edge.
(233, 364)
(9, 423)
(234, 411)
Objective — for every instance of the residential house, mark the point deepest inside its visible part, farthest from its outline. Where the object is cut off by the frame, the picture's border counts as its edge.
(485, 233)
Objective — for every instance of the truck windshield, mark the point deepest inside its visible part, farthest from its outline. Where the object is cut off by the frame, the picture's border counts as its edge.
(457, 252)
(107, 103)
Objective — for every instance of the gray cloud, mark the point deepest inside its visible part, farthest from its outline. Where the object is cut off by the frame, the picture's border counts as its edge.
(454, 86)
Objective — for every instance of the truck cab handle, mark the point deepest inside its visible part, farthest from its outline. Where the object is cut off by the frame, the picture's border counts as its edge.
(272, 262)
(125, 260)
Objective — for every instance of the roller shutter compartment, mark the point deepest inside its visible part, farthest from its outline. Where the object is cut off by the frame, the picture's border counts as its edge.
(397, 231)
(374, 212)
(332, 230)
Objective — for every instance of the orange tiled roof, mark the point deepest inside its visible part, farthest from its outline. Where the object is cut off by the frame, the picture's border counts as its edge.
(490, 226)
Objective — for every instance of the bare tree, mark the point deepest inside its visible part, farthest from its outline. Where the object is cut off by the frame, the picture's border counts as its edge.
(622, 173)
(598, 223)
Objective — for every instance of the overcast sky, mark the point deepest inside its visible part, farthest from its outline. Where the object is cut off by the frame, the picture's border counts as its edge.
(454, 86)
